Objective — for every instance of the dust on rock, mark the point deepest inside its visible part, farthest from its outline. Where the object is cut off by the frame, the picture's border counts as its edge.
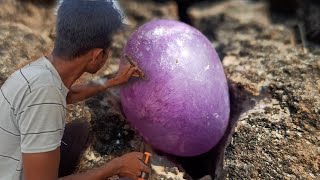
(277, 134)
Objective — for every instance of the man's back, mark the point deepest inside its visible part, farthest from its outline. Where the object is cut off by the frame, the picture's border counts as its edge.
(32, 102)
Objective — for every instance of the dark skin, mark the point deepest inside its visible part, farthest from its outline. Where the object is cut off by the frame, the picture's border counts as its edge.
(39, 166)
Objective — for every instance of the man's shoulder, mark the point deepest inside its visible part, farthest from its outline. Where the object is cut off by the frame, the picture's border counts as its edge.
(37, 74)
(30, 78)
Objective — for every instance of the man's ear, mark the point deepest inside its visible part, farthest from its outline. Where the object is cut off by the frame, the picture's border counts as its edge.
(107, 52)
(96, 54)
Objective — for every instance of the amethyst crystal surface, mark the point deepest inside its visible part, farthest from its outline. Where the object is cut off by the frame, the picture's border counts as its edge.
(182, 106)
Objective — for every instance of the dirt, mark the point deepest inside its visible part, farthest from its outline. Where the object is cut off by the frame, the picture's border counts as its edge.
(277, 134)
(274, 86)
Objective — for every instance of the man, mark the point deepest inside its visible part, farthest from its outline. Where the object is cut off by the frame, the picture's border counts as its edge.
(33, 99)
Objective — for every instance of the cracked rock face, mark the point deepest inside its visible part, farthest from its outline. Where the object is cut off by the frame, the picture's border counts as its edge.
(277, 134)
(18, 45)
(24, 34)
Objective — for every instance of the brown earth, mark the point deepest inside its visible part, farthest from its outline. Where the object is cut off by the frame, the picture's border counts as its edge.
(274, 85)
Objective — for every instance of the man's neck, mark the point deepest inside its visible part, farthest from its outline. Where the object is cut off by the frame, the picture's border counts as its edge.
(69, 70)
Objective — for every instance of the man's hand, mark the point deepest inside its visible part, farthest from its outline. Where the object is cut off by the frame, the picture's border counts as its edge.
(39, 166)
(124, 74)
(131, 165)
(84, 91)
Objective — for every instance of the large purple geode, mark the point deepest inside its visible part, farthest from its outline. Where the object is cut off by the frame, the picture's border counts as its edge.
(182, 106)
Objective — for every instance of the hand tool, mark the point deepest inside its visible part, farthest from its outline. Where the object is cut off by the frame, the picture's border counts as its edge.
(133, 65)
(146, 158)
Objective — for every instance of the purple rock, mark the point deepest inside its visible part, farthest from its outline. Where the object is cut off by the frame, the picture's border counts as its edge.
(182, 106)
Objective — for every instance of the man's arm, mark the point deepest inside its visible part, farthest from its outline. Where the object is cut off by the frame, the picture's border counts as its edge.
(36, 166)
(82, 92)
(39, 166)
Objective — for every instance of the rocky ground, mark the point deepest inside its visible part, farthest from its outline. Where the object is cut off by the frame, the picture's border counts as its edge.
(277, 134)
(274, 82)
